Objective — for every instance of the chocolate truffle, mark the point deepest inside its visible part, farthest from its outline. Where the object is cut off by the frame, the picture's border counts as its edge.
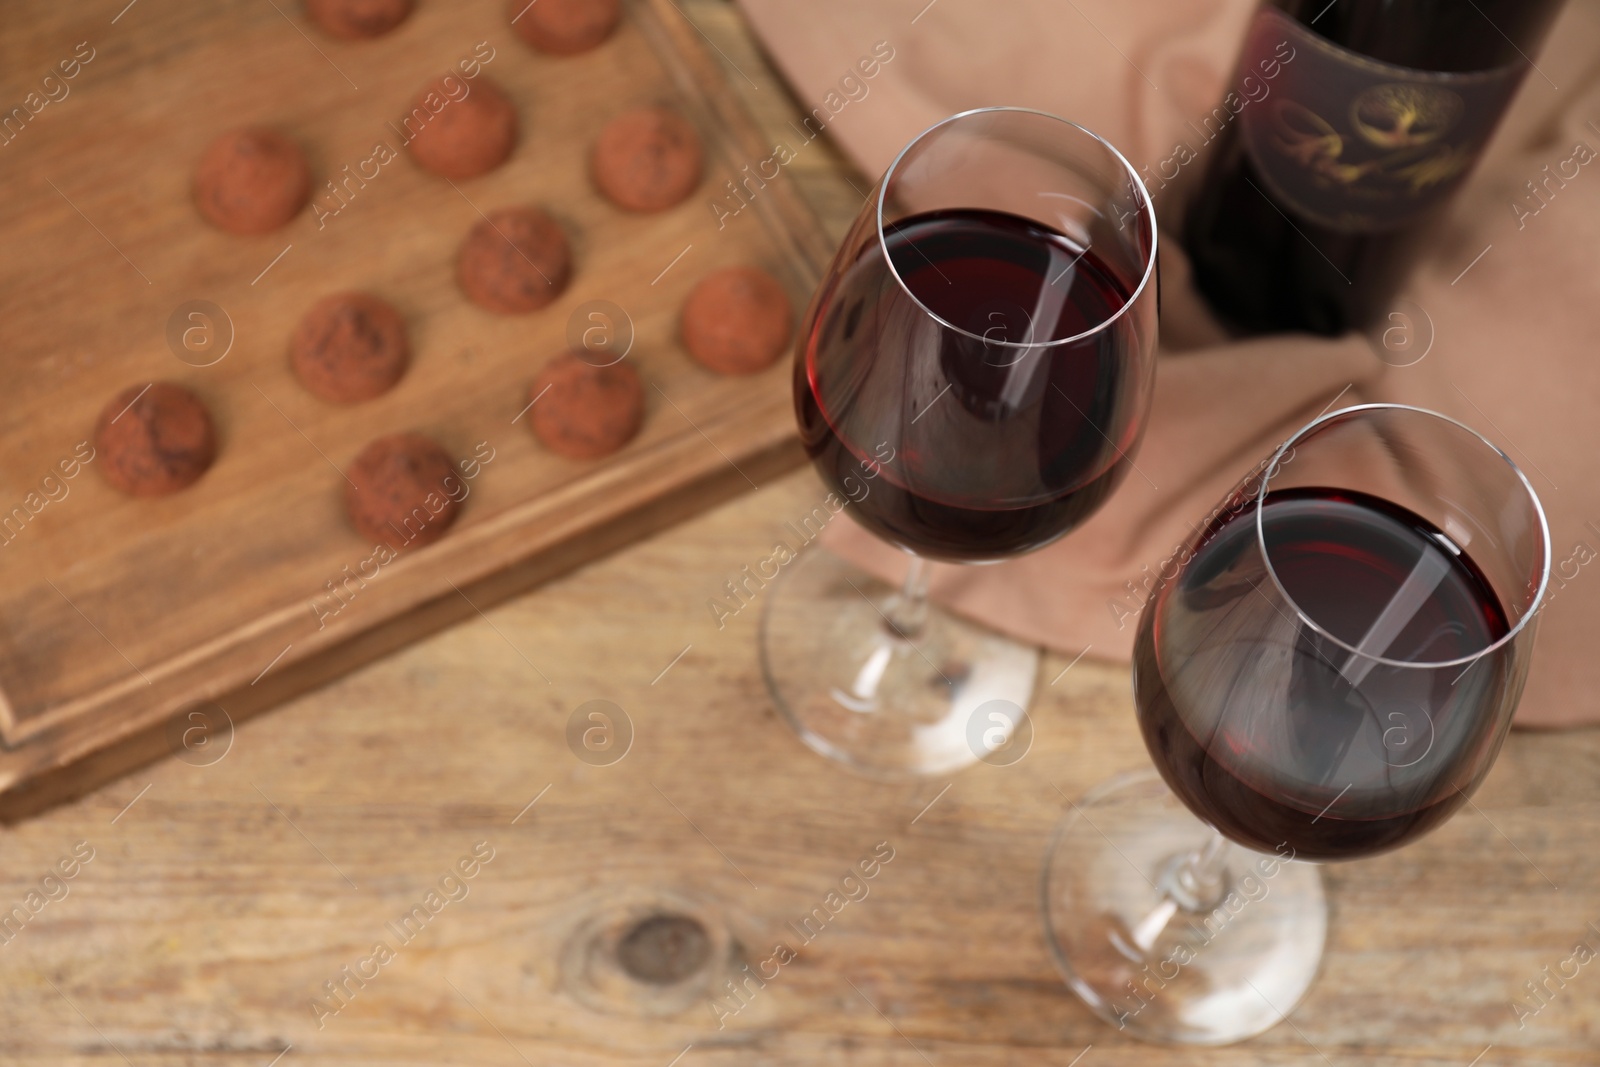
(357, 20)
(647, 159)
(153, 440)
(461, 128)
(514, 261)
(399, 491)
(582, 411)
(349, 347)
(251, 180)
(737, 320)
(565, 27)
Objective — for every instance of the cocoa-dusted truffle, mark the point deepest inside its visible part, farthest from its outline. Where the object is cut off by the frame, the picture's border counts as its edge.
(358, 20)
(251, 180)
(461, 128)
(403, 491)
(565, 27)
(349, 347)
(647, 159)
(582, 411)
(737, 320)
(154, 439)
(514, 261)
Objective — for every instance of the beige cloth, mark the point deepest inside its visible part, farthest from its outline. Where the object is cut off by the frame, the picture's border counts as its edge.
(1512, 339)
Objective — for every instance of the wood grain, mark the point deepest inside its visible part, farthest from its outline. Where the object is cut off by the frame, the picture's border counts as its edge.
(118, 613)
(217, 905)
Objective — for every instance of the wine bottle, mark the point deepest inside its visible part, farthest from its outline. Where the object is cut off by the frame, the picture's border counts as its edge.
(1350, 125)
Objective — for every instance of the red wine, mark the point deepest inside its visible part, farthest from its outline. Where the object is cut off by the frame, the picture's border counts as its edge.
(1277, 735)
(1001, 441)
(1350, 125)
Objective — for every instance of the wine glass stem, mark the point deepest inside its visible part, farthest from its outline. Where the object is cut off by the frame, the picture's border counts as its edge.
(908, 612)
(1202, 877)
(1196, 882)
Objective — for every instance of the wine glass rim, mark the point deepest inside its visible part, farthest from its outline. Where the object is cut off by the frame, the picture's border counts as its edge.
(1510, 635)
(1147, 214)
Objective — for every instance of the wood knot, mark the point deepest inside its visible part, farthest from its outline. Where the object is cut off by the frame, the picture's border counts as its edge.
(648, 952)
(664, 949)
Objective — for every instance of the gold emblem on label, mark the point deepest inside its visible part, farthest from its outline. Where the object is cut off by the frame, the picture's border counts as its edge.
(1404, 116)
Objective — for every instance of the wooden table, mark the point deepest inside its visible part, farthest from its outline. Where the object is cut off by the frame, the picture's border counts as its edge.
(220, 899)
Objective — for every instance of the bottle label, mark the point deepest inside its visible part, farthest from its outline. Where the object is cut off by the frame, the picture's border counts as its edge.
(1359, 145)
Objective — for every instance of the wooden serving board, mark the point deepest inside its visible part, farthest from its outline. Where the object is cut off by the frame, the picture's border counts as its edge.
(118, 614)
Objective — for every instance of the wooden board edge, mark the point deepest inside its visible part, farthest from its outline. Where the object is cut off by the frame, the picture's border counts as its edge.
(784, 211)
(49, 784)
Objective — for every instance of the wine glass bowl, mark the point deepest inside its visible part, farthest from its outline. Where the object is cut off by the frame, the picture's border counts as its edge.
(988, 325)
(1338, 667)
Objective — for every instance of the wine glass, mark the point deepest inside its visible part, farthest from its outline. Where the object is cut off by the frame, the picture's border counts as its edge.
(971, 382)
(1324, 672)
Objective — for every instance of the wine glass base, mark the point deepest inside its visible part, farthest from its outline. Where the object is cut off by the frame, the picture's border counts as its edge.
(1214, 973)
(885, 705)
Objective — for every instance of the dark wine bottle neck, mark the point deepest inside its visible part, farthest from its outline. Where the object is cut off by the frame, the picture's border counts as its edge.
(1442, 35)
